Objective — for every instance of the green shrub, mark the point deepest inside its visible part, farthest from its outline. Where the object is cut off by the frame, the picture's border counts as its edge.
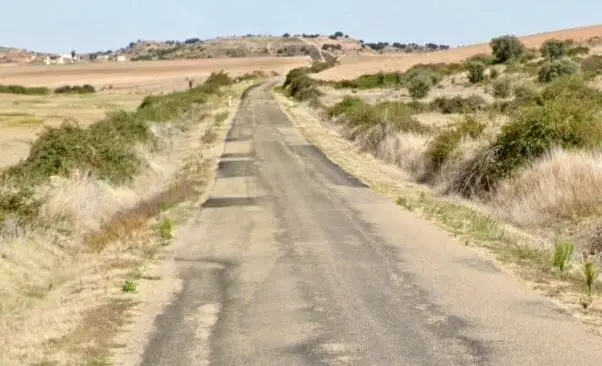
(554, 49)
(528, 55)
(420, 86)
(18, 89)
(75, 89)
(557, 68)
(481, 57)
(565, 116)
(458, 104)
(476, 71)
(428, 72)
(506, 48)
(525, 91)
(399, 117)
(396, 116)
(493, 73)
(345, 106)
(370, 81)
(578, 51)
(441, 148)
(502, 88)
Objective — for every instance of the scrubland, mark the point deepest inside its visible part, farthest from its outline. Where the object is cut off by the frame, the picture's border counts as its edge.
(90, 205)
(513, 134)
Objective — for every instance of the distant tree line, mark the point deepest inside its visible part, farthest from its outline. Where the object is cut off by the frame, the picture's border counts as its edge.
(407, 47)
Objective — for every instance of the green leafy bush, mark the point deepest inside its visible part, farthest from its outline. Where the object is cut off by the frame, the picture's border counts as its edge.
(18, 89)
(481, 57)
(75, 89)
(458, 104)
(578, 51)
(441, 148)
(502, 88)
(525, 91)
(554, 49)
(476, 71)
(420, 86)
(555, 69)
(506, 48)
(397, 116)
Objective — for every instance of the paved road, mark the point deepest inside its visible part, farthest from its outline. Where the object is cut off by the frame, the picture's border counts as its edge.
(294, 262)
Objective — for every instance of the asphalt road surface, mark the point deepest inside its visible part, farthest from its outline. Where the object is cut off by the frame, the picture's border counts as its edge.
(291, 261)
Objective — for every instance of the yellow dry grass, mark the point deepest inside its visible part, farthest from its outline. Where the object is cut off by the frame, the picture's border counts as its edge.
(62, 297)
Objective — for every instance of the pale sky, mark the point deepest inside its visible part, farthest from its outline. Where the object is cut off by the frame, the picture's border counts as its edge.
(94, 25)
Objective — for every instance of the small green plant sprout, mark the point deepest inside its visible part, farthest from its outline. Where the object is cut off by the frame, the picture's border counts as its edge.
(590, 274)
(563, 251)
(129, 286)
(165, 229)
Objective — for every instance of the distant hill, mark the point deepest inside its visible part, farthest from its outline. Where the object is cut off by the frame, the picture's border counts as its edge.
(314, 45)
(317, 46)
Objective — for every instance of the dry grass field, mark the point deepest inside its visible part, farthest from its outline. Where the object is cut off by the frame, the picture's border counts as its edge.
(133, 74)
(76, 245)
(121, 86)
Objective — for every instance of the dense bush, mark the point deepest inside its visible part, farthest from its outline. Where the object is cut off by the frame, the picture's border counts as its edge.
(458, 104)
(360, 115)
(441, 148)
(554, 69)
(24, 90)
(502, 88)
(481, 57)
(476, 71)
(75, 89)
(554, 48)
(420, 86)
(566, 116)
(524, 91)
(300, 86)
(506, 48)
(578, 51)
(370, 81)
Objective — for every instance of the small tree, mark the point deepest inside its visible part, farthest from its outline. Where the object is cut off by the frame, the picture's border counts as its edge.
(339, 34)
(73, 54)
(420, 86)
(476, 71)
(552, 70)
(506, 48)
(554, 49)
(286, 35)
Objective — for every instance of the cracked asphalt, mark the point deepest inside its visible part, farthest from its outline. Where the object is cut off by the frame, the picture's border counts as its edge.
(292, 261)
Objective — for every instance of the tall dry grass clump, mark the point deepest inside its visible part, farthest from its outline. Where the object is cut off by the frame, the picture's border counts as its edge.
(562, 186)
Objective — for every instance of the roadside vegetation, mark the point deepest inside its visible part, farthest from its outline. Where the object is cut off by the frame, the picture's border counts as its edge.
(39, 90)
(81, 216)
(522, 140)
